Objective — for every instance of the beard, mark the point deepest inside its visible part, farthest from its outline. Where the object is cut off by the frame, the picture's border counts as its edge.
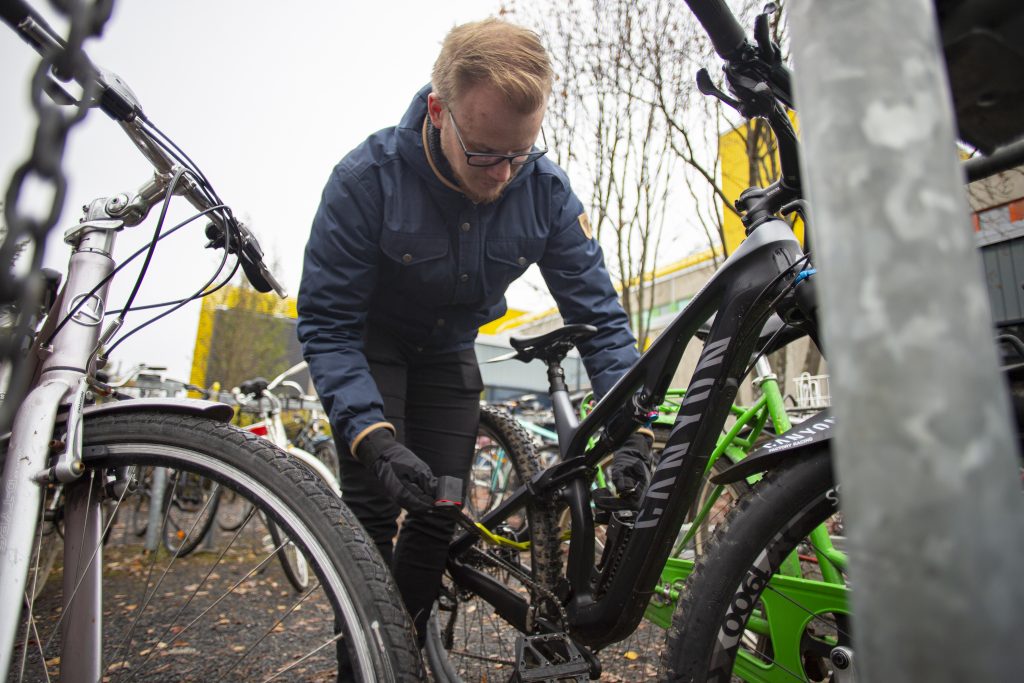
(481, 193)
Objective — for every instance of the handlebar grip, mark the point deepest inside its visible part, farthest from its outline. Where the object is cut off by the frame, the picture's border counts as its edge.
(13, 12)
(720, 24)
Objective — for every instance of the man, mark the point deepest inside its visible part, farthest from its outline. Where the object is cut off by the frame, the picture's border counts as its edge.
(420, 231)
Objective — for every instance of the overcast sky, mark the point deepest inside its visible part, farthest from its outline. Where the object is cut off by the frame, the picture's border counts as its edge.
(265, 98)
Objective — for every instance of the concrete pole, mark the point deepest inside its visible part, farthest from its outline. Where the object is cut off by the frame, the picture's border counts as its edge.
(926, 456)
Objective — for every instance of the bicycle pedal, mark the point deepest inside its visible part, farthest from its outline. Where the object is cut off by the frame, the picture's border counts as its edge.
(550, 657)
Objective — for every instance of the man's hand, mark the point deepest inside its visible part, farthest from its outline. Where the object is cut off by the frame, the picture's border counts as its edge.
(630, 469)
(408, 479)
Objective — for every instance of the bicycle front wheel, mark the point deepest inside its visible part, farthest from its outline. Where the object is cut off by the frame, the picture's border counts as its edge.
(756, 606)
(225, 613)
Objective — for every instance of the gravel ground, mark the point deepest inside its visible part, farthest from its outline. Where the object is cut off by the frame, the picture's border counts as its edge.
(164, 645)
(185, 624)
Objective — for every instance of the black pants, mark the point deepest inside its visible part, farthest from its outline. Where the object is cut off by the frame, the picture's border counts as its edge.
(433, 400)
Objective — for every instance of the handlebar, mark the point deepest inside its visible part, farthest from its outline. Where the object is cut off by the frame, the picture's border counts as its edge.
(112, 95)
(725, 32)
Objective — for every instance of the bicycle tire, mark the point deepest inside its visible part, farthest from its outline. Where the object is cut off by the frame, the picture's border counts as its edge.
(351, 617)
(293, 562)
(192, 511)
(232, 512)
(463, 626)
(712, 636)
(327, 453)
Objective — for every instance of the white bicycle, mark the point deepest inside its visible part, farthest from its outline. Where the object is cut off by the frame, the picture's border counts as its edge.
(121, 613)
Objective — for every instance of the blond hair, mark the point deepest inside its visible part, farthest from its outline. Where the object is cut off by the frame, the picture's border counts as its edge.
(498, 53)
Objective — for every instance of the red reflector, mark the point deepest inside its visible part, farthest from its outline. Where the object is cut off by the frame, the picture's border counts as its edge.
(258, 430)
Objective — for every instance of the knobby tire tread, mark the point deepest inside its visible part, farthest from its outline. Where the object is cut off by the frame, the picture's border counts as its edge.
(778, 504)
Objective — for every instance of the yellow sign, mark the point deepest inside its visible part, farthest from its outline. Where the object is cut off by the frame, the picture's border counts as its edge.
(736, 177)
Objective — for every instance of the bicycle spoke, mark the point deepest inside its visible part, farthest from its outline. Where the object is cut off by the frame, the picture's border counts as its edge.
(30, 603)
(270, 630)
(299, 661)
(32, 623)
(814, 616)
(146, 593)
(191, 597)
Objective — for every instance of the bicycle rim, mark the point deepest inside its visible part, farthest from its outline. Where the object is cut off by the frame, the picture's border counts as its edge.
(226, 612)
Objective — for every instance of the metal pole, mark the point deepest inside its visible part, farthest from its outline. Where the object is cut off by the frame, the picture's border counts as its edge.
(928, 465)
(154, 527)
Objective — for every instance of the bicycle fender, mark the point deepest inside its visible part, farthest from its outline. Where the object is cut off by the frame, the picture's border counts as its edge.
(811, 431)
(221, 412)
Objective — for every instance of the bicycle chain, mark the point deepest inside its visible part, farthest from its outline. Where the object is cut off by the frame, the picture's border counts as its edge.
(531, 584)
(43, 167)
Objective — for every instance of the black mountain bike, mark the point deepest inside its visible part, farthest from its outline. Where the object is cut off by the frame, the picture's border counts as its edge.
(512, 573)
(508, 578)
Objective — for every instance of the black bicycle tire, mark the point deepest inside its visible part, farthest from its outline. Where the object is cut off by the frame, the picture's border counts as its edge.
(327, 452)
(766, 525)
(193, 539)
(545, 545)
(291, 571)
(226, 498)
(361, 585)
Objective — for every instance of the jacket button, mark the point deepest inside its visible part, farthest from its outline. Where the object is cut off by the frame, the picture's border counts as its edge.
(440, 322)
(464, 278)
(406, 258)
(465, 227)
(521, 260)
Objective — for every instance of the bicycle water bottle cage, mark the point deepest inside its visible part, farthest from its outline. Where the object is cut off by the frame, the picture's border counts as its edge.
(553, 346)
(254, 387)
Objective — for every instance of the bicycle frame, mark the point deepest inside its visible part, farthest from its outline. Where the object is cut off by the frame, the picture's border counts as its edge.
(273, 429)
(59, 389)
(608, 608)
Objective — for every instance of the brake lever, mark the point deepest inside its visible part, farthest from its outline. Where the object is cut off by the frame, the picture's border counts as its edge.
(245, 245)
(707, 87)
(767, 49)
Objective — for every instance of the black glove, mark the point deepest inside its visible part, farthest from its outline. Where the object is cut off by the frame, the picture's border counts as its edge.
(408, 480)
(630, 469)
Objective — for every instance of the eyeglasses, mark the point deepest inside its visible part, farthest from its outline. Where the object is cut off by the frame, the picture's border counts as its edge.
(491, 159)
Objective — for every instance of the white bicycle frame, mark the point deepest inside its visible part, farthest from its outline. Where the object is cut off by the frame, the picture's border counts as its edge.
(272, 422)
(34, 458)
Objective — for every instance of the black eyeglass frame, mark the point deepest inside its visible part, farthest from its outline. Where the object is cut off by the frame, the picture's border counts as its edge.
(473, 158)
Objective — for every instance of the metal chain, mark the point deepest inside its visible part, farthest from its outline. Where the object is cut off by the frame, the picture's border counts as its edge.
(529, 582)
(43, 169)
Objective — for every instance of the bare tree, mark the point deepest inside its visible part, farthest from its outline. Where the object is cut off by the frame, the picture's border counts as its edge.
(625, 112)
(605, 129)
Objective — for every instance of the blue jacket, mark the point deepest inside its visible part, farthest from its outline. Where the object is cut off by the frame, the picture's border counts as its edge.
(395, 244)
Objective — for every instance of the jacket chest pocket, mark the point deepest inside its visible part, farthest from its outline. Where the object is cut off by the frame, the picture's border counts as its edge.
(506, 260)
(418, 264)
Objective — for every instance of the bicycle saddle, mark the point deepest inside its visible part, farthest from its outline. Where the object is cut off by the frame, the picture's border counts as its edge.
(551, 346)
(255, 386)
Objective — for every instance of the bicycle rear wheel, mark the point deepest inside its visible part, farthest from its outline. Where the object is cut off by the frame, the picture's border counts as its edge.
(225, 614)
(293, 562)
(466, 639)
